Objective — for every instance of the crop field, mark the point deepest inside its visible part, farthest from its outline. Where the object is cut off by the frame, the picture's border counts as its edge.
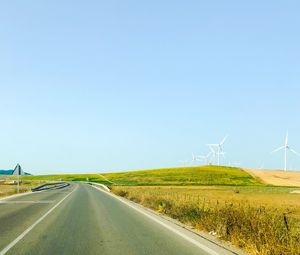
(202, 175)
(260, 220)
(69, 177)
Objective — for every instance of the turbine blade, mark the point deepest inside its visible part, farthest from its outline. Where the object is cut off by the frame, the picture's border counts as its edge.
(211, 148)
(295, 152)
(280, 148)
(224, 139)
(287, 138)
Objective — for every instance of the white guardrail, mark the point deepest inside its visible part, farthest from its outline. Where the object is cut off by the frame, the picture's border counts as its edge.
(99, 185)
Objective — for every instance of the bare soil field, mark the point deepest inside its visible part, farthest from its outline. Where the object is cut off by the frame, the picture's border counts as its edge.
(276, 177)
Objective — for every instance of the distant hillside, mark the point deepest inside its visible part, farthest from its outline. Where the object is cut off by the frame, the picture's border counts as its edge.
(68, 177)
(10, 172)
(6, 172)
(202, 175)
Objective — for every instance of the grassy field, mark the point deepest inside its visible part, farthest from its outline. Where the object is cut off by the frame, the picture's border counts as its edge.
(9, 189)
(260, 220)
(204, 175)
(227, 202)
(69, 177)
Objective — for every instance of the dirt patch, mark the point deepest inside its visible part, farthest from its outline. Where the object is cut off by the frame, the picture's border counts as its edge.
(279, 178)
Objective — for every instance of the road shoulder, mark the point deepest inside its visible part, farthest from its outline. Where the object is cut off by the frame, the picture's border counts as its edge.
(204, 241)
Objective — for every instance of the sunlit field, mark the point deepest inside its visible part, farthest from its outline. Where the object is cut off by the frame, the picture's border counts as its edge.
(69, 177)
(25, 186)
(260, 220)
(225, 202)
(202, 175)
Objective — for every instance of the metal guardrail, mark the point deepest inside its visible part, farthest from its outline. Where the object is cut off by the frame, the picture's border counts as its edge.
(47, 186)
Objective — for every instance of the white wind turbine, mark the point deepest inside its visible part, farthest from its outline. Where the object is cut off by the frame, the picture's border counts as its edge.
(206, 158)
(195, 158)
(217, 149)
(286, 148)
(184, 162)
(213, 153)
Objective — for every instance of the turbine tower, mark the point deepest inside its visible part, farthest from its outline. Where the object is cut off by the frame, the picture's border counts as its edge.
(286, 148)
(217, 149)
(206, 158)
(194, 158)
(184, 162)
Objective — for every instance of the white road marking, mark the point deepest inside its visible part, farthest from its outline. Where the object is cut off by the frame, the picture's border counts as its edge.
(27, 202)
(189, 239)
(20, 237)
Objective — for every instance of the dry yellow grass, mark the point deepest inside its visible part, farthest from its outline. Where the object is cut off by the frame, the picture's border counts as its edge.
(263, 196)
(11, 189)
(276, 177)
(261, 220)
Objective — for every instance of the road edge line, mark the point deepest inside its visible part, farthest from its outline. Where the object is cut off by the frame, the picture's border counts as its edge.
(184, 236)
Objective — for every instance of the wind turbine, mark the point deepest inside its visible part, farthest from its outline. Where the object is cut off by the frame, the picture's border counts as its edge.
(213, 153)
(194, 158)
(206, 158)
(217, 149)
(286, 148)
(184, 162)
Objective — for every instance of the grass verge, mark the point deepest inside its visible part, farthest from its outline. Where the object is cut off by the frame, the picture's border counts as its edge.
(25, 186)
(260, 224)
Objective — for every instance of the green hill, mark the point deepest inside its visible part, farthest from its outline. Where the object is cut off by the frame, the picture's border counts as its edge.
(202, 175)
(99, 178)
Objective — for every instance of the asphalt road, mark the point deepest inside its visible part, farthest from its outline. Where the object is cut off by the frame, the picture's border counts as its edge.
(80, 219)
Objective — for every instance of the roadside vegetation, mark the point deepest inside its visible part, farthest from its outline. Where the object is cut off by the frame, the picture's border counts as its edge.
(229, 203)
(260, 220)
(98, 178)
(8, 187)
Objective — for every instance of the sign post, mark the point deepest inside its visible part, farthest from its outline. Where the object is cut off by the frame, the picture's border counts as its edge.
(18, 171)
(18, 182)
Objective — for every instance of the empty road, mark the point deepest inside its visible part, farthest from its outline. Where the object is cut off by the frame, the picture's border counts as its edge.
(80, 219)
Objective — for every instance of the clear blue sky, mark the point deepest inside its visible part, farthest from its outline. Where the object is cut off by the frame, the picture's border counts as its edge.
(97, 86)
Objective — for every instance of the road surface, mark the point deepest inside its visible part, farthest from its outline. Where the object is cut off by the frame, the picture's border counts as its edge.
(80, 219)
